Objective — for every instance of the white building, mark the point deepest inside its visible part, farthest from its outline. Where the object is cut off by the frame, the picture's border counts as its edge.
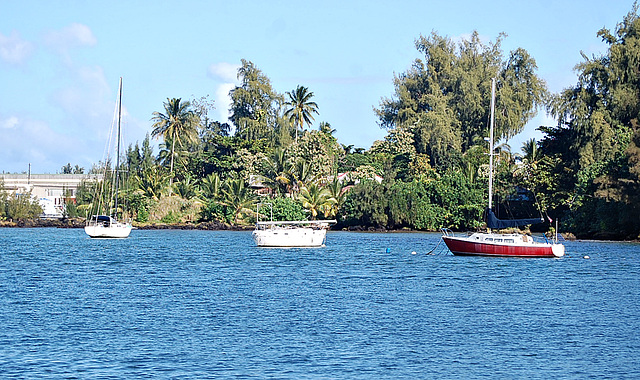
(51, 190)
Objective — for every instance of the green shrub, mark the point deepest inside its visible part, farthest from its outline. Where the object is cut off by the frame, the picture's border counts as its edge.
(285, 209)
(214, 211)
(171, 218)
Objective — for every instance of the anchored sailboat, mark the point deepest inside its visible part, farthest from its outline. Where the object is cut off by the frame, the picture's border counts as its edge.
(299, 233)
(495, 244)
(108, 226)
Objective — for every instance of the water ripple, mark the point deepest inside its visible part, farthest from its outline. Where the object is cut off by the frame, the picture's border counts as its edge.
(203, 304)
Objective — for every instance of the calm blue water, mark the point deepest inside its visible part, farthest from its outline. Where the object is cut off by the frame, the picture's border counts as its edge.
(203, 304)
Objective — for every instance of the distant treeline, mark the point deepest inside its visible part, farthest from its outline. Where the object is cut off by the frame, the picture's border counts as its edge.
(430, 171)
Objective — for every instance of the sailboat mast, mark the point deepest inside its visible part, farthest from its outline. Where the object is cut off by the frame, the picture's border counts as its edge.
(118, 145)
(493, 99)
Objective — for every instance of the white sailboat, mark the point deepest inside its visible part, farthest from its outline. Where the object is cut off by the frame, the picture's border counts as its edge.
(294, 233)
(108, 226)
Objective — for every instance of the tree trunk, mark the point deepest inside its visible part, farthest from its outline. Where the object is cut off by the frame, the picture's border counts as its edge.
(173, 147)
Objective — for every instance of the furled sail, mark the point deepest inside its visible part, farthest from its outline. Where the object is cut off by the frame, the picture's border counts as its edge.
(494, 222)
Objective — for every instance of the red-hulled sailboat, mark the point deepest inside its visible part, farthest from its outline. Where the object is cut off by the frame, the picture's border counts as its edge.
(495, 244)
(492, 244)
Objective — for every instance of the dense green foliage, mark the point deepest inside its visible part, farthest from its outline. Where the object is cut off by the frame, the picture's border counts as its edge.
(17, 206)
(431, 169)
(443, 100)
(450, 201)
(592, 154)
(284, 209)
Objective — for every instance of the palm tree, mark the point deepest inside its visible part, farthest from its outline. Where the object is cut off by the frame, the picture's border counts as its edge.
(177, 124)
(531, 156)
(186, 188)
(347, 149)
(316, 199)
(278, 172)
(151, 182)
(326, 128)
(503, 151)
(300, 107)
(530, 150)
(166, 156)
(210, 186)
(301, 173)
(237, 196)
(338, 193)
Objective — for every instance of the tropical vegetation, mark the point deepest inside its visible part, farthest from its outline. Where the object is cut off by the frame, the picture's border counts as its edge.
(430, 170)
(17, 205)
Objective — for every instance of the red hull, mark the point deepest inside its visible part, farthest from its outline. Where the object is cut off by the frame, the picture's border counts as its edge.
(462, 247)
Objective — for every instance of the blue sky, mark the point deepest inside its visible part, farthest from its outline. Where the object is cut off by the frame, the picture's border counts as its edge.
(60, 61)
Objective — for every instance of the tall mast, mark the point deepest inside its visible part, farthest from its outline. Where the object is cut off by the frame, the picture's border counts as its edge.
(493, 99)
(118, 144)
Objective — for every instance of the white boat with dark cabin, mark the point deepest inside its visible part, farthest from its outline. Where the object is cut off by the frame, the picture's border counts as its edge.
(108, 226)
(104, 226)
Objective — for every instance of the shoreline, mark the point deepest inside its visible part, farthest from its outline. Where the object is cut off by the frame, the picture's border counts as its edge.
(218, 226)
(80, 223)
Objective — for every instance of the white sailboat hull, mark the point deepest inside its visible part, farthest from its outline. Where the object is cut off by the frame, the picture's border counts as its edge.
(289, 237)
(115, 230)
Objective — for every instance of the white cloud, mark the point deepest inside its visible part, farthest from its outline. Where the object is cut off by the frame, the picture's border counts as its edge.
(86, 92)
(14, 49)
(224, 101)
(227, 72)
(9, 123)
(33, 141)
(76, 128)
(74, 35)
(84, 98)
(47, 148)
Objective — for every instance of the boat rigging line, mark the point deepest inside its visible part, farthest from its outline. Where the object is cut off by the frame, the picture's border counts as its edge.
(437, 245)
